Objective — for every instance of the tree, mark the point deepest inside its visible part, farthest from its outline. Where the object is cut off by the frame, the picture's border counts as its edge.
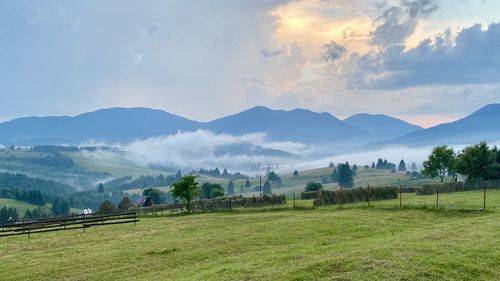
(187, 189)
(247, 183)
(156, 195)
(266, 189)
(60, 207)
(331, 165)
(106, 207)
(100, 188)
(211, 190)
(439, 162)
(402, 166)
(313, 186)
(373, 165)
(345, 176)
(380, 164)
(414, 167)
(295, 173)
(334, 176)
(230, 188)
(125, 204)
(476, 162)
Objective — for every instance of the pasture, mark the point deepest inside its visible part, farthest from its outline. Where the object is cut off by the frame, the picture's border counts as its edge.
(351, 242)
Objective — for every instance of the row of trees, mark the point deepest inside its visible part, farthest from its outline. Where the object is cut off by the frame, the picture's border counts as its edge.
(224, 174)
(34, 197)
(476, 163)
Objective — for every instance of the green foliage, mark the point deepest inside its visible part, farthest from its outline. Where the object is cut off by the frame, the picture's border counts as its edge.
(313, 186)
(402, 166)
(186, 189)
(345, 176)
(107, 207)
(440, 162)
(384, 164)
(34, 197)
(429, 189)
(60, 207)
(8, 214)
(230, 188)
(23, 182)
(211, 190)
(478, 163)
(156, 195)
(247, 183)
(266, 189)
(100, 188)
(295, 173)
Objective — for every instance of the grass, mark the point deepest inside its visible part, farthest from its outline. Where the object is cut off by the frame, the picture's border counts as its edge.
(20, 206)
(380, 243)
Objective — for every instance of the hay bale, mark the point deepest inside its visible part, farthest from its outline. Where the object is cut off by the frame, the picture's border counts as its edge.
(125, 204)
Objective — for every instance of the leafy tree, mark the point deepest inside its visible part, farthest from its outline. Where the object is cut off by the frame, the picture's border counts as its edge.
(366, 167)
(187, 189)
(156, 195)
(266, 189)
(331, 165)
(295, 173)
(477, 162)
(402, 166)
(439, 162)
(100, 188)
(107, 207)
(211, 190)
(345, 176)
(313, 186)
(230, 188)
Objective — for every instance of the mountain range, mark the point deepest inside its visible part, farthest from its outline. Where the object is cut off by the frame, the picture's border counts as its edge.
(298, 125)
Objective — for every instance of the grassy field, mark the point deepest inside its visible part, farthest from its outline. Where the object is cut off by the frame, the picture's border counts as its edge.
(329, 243)
(20, 206)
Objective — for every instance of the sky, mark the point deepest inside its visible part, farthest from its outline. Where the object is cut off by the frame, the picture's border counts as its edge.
(424, 61)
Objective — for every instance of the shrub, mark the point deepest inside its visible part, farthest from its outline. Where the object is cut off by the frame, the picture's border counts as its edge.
(328, 197)
(313, 186)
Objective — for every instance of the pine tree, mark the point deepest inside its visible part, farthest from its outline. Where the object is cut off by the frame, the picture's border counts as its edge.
(414, 167)
(373, 165)
(295, 173)
(345, 176)
(100, 188)
(266, 189)
(402, 166)
(230, 188)
(247, 183)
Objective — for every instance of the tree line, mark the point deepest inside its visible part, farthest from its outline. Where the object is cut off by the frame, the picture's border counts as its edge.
(476, 163)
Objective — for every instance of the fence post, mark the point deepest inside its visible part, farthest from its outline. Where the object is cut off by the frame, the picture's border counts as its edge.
(230, 204)
(254, 201)
(368, 195)
(400, 196)
(484, 198)
(437, 198)
(294, 200)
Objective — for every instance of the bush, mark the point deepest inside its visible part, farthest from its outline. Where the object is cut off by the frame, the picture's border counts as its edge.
(313, 186)
(307, 195)
(428, 189)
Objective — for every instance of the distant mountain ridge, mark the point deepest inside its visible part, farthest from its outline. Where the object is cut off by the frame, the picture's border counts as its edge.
(298, 125)
(481, 125)
(381, 126)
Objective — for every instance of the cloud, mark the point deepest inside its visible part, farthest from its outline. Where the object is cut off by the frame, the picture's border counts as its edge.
(397, 23)
(472, 57)
(333, 51)
(204, 149)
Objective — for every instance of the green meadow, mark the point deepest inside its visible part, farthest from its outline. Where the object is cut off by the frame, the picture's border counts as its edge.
(350, 242)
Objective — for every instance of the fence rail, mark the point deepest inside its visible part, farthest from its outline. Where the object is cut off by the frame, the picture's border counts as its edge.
(28, 227)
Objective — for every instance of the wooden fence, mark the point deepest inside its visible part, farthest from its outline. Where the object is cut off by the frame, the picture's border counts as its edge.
(28, 227)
